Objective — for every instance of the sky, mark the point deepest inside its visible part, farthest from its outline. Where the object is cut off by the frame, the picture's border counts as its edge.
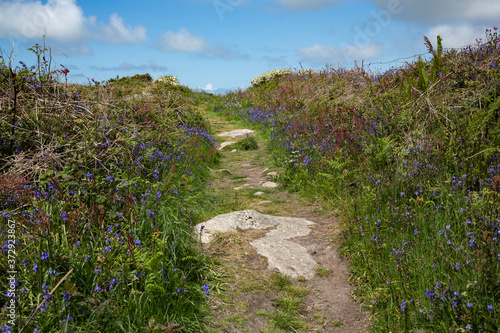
(221, 45)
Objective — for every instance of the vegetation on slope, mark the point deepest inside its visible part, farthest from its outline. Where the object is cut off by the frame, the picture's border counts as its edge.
(97, 197)
(411, 160)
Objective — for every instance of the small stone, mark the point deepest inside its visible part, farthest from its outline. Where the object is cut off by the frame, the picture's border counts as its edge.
(265, 202)
(259, 193)
(234, 150)
(270, 185)
(272, 173)
(225, 144)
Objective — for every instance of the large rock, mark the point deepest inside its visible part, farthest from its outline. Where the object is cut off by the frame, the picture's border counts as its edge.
(239, 133)
(277, 245)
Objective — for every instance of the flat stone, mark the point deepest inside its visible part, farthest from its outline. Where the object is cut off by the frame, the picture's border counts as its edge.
(259, 193)
(265, 202)
(272, 173)
(277, 246)
(237, 133)
(225, 144)
(270, 185)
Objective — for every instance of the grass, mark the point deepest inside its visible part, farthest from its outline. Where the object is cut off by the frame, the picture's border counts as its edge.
(407, 158)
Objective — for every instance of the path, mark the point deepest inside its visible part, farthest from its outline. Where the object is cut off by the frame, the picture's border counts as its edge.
(244, 185)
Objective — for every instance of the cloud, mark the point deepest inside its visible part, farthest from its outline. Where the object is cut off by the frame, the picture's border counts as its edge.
(62, 21)
(456, 36)
(486, 11)
(209, 87)
(307, 4)
(184, 41)
(322, 54)
(128, 67)
(117, 32)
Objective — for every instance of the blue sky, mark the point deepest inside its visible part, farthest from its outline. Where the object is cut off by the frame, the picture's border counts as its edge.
(220, 45)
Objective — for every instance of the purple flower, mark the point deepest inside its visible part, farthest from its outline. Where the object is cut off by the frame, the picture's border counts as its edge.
(35, 267)
(98, 289)
(469, 304)
(430, 294)
(206, 289)
(490, 308)
(45, 256)
(403, 306)
(113, 282)
(64, 215)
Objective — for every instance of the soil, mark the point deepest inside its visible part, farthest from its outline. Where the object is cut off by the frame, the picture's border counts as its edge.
(245, 290)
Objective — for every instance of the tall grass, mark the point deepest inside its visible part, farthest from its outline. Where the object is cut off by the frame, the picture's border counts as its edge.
(410, 159)
(100, 181)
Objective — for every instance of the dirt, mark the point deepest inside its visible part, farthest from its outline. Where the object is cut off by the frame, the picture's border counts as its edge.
(245, 291)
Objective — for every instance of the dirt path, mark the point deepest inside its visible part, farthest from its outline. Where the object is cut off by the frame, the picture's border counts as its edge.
(249, 297)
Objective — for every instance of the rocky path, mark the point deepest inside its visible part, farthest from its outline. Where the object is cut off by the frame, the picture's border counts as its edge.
(261, 234)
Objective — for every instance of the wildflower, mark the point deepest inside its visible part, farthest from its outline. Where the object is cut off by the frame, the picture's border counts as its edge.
(137, 242)
(388, 282)
(206, 289)
(98, 289)
(107, 249)
(45, 287)
(430, 294)
(113, 282)
(35, 267)
(97, 271)
(457, 266)
(490, 307)
(469, 305)
(53, 272)
(45, 256)
(89, 175)
(64, 215)
(403, 306)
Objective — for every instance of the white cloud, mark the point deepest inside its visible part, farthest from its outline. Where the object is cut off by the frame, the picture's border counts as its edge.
(328, 54)
(62, 21)
(209, 87)
(183, 41)
(118, 32)
(307, 4)
(456, 36)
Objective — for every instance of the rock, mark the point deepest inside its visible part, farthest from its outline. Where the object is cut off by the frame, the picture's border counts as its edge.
(234, 150)
(239, 133)
(270, 185)
(224, 172)
(225, 144)
(283, 254)
(259, 193)
(272, 173)
(242, 187)
(265, 202)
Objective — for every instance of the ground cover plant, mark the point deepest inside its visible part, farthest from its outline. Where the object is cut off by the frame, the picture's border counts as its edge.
(98, 192)
(410, 158)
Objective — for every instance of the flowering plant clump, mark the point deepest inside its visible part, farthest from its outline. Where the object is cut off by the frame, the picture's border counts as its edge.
(266, 77)
(168, 79)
